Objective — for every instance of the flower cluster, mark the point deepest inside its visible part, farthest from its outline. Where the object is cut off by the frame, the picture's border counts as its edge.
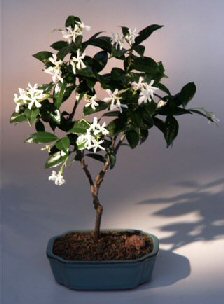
(55, 71)
(71, 34)
(32, 96)
(57, 178)
(119, 40)
(92, 138)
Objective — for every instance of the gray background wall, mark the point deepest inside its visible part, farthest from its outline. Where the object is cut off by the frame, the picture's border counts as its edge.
(176, 193)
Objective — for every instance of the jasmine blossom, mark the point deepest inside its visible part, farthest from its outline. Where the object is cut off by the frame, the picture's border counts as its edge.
(91, 101)
(77, 62)
(114, 100)
(57, 178)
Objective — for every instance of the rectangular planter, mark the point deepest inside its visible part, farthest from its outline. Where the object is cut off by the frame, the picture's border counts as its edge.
(103, 275)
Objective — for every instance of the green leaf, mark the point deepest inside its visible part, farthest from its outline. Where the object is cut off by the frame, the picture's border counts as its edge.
(102, 59)
(160, 124)
(112, 114)
(41, 137)
(33, 115)
(18, 117)
(140, 49)
(132, 137)
(144, 64)
(125, 30)
(186, 94)
(59, 96)
(112, 158)
(55, 160)
(71, 21)
(39, 126)
(59, 45)
(146, 32)
(171, 130)
(116, 126)
(103, 42)
(163, 88)
(63, 144)
(43, 56)
(80, 127)
(63, 52)
(96, 157)
(143, 135)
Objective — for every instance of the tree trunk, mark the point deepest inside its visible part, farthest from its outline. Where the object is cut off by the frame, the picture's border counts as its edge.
(99, 212)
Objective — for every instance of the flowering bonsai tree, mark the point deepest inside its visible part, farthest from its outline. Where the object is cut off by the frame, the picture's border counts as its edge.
(135, 101)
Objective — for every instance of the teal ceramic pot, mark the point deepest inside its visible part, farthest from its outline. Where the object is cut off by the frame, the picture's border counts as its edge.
(103, 275)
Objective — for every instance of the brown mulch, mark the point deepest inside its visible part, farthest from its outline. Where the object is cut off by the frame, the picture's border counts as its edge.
(111, 246)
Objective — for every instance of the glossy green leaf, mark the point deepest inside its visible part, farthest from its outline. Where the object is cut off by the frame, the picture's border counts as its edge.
(72, 21)
(171, 130)
(132, 136)
(80, 127)
(43, 56)
(146, 32)
(63, 144)
(18, 117)
(186, 94)
(59, 45)
(55, 160)
(41, 137)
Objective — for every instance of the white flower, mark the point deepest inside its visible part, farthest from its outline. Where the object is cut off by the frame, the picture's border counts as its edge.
(117, 41)
(131, 35)
(32, 96)
(97, 128)
(77, 62)
(161, 103)
(114, 100)
(147, 93)
(57, 178)
(139, 85)
(71, 34)
(55, 71)
(91, 101)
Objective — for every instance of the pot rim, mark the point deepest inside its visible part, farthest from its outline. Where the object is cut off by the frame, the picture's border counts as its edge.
(51, 255)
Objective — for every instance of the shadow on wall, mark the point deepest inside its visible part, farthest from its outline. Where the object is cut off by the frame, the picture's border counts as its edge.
(206, 200)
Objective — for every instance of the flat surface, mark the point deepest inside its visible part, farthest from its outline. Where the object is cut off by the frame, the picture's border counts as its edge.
(189, 267)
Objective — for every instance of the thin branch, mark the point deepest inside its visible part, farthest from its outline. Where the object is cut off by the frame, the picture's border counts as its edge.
(86, 170)
(119, 143)
(100, 176)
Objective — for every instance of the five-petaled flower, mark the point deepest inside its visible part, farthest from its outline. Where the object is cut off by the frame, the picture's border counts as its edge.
(32, 96)
(91, 101)
(77, 62)
(71, 34)
(114, 99)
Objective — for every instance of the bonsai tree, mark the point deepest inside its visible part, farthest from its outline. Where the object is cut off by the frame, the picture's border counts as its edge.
(135, 101)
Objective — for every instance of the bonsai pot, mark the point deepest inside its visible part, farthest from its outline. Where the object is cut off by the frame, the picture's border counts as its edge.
(105, 274)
